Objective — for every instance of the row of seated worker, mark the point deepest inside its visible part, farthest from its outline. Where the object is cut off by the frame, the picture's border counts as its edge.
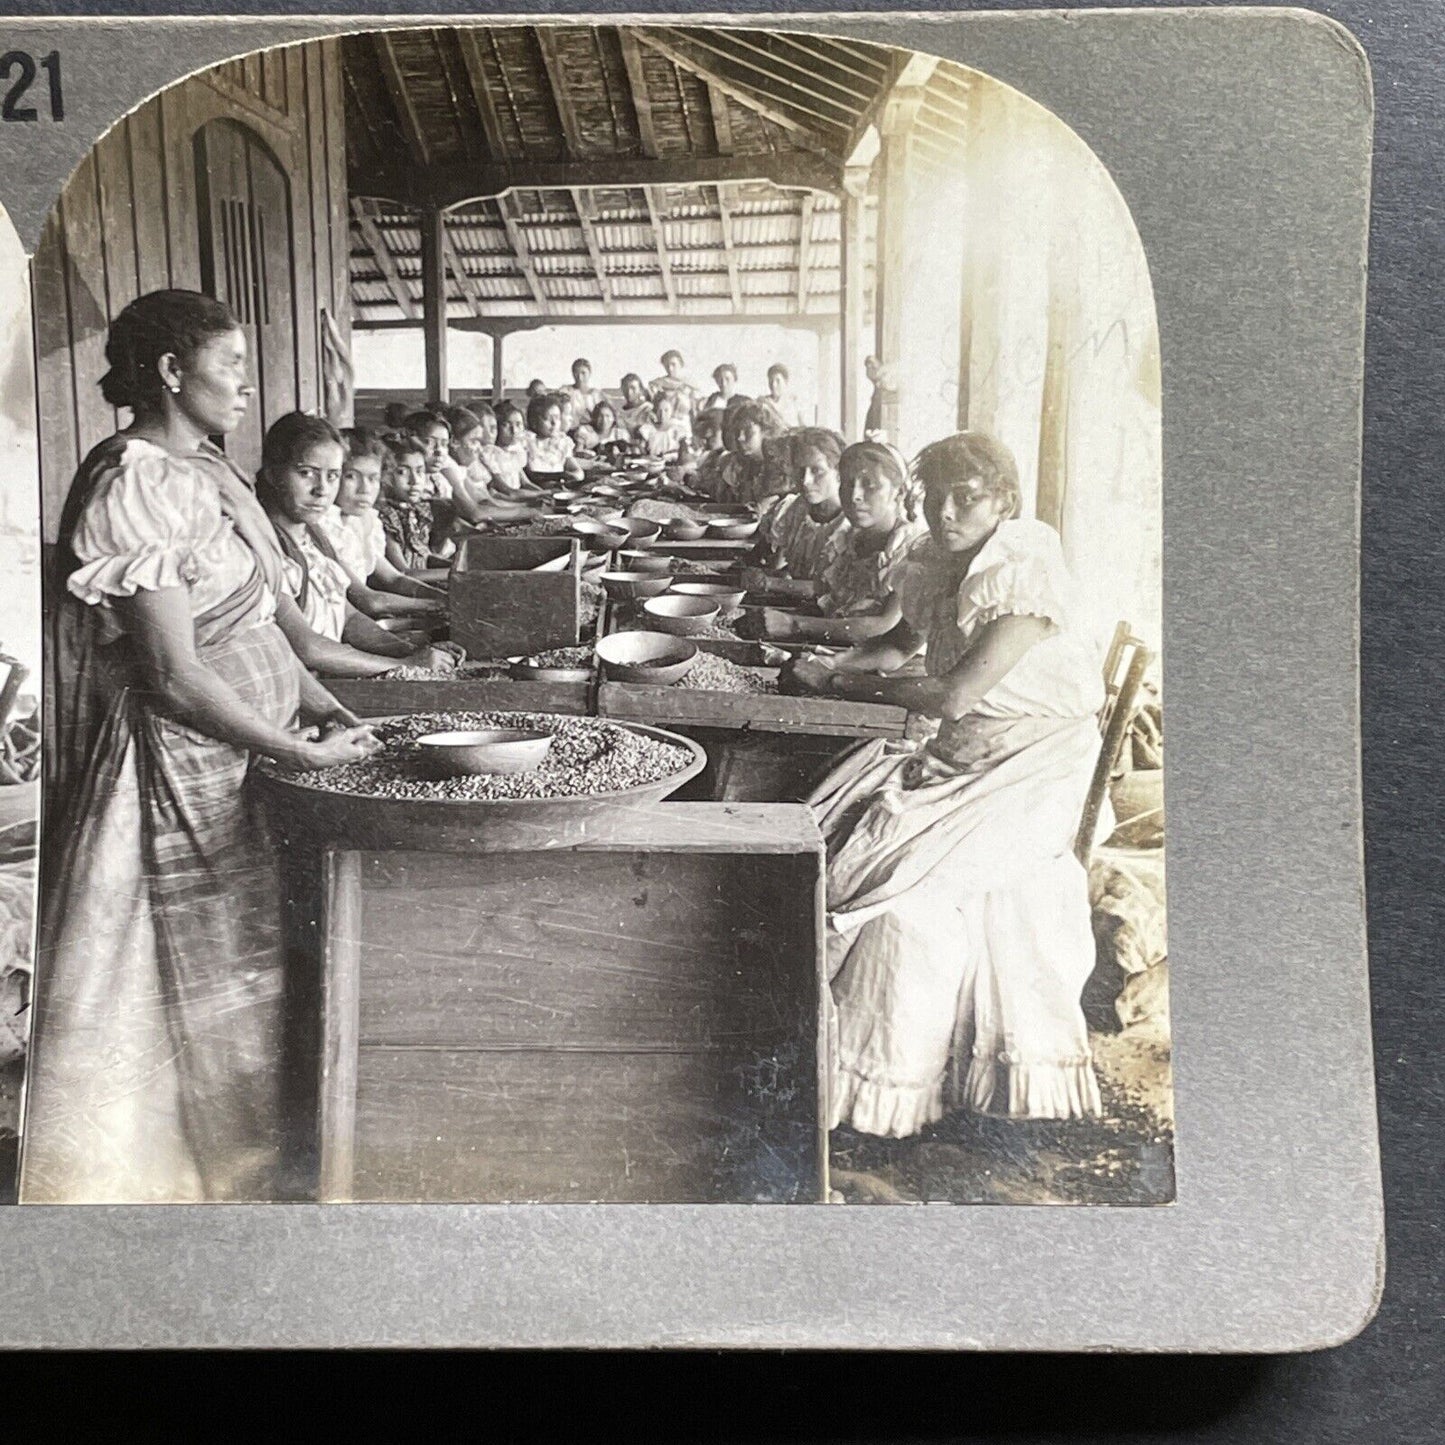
(368, 521)
(639, 418)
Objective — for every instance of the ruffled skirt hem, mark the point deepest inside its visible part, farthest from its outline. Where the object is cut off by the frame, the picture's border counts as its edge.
(998, 1088)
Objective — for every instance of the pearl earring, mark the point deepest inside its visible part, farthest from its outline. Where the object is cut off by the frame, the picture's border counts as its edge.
(175, 388)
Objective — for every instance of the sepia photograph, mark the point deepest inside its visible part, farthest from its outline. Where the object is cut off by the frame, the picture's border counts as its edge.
(601, 638)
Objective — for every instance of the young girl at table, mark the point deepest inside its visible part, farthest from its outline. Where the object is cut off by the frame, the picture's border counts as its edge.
(959, 936)
(671, 426)
(747, 469)
(602, 429)
(431, 432)
(549, 448)
(406, 514)
(856, 592)
(803, 534)
(355, 532)
(301, 460)
(473, 502)
(636, 412)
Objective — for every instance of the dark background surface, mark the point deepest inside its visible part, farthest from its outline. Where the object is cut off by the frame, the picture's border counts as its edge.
(1388, 1385)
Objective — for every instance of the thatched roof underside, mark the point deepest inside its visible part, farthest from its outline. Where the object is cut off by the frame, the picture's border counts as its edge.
(608, 119)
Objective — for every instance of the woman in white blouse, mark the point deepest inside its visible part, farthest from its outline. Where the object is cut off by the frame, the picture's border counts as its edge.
(154, 1073)
(959, 929)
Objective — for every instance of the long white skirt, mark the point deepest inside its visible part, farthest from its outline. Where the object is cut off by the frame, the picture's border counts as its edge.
(959, 934)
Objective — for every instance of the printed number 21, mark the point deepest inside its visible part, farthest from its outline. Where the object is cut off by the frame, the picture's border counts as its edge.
(10, 107)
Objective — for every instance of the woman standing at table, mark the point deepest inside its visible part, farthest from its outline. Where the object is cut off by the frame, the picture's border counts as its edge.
(959, 934)
(154, 1071)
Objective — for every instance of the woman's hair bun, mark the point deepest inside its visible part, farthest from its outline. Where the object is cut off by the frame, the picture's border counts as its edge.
(160, 323)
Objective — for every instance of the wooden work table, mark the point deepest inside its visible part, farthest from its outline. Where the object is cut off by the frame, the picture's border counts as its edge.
(620, 1007)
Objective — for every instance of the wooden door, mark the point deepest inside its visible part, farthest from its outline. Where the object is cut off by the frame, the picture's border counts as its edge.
(246, 261)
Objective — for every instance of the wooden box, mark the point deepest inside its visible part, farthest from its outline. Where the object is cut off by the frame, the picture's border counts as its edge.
(501, 606)
(623, 1011)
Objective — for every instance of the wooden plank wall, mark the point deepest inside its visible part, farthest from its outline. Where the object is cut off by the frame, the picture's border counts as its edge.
(127, 223)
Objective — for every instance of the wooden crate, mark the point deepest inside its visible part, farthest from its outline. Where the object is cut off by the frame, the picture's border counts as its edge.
(501, 607)
(628, 1011)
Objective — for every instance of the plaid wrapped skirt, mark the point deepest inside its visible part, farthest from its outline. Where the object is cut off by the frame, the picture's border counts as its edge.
(155, 1057)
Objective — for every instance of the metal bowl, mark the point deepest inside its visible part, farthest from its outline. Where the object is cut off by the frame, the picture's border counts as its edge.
(724, 594)
(488, 750)
(646, 657)
(526, 672)
(635, 561)
(682, 616)
(628, 586)
(732, 529)
(598, 536)
(643, 529)
(683, 529)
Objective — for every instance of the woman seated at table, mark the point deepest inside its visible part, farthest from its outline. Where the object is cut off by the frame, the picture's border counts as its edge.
(473, 500)
(505, 456)
(959, 935)
(856, 592)
(671, 428)
(549, 448)
(749, 468)
(352, 526)
(672, 383)
(602, 429)
(300, 474)
(635, 412)
(802, 535)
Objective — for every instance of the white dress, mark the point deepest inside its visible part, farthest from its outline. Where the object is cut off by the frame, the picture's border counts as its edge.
(358, 539)
(322, 595)
(959, 933)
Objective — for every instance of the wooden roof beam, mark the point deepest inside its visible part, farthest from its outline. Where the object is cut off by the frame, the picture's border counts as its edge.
(522, 253)
(738, 52)
(557, 82)
(470, 41)
(722, 121)
(583, 202)
(364, 212)
(453, 259)
(725, 216)
(637, 82)
(805, 251)
(705, 70)
(396, 88)
(455, 185)
(664, 261)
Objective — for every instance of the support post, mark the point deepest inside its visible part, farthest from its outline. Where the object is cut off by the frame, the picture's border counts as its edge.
(894, 208)
(434, 302)
(851, 298)
(498, 340)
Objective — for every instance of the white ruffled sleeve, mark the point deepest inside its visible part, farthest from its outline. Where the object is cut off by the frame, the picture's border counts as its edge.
(142, 528)
(1023, 574)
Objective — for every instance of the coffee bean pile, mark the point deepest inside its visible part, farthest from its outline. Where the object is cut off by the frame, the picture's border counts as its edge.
(587, 756)
(654, 509)
(710, 673)
(532, 527)
(463, 671)
(590, 608)
(561, 657)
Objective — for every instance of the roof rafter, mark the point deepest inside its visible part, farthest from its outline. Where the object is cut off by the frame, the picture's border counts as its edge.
(364, 212)
(453, 259)
(470, 42)
(725, 217)
(908, 72)
(396, 88)
(722, 121)
(583, 203)
(522, 253)
(557, 83)
(637, 83)
(803, 134)
(664, 261)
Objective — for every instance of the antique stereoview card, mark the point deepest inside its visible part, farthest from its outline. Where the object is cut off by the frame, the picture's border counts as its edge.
(589, 617)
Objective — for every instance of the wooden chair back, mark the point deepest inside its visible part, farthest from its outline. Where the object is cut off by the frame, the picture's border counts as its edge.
(1124, 668)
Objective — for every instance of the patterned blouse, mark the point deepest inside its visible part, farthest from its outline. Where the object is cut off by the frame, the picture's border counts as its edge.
(805, 548)
(408, 524)
(859, 581)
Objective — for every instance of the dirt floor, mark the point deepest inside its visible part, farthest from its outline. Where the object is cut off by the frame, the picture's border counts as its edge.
(1127, 1157)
